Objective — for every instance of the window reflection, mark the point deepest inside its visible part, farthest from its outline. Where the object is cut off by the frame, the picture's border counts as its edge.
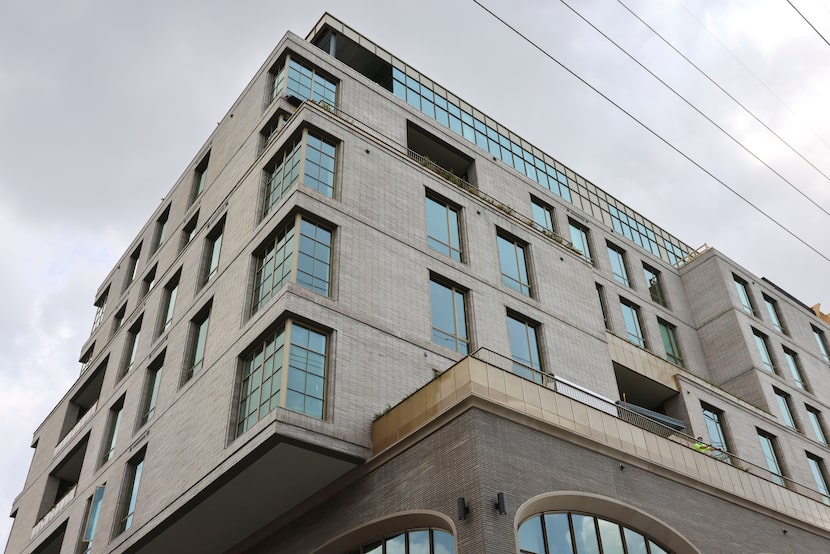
(414, 541)
(576, 533)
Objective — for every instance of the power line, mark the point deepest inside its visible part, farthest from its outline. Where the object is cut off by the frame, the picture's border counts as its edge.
(748, 70)
(731, 97)
(652, 131)
(808, 22)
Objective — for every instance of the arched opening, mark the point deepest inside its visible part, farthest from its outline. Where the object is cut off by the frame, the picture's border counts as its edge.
(412, 532)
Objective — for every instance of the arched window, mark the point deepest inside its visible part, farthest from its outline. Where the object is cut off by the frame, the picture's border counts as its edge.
(411, 541)
(582, 533)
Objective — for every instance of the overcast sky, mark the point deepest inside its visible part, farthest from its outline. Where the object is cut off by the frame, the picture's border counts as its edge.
(103, 104)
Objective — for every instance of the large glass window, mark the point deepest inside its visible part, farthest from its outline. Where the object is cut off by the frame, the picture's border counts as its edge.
(763, 350)
(449, 319)
(91, 520)
(819, 476)
(669, 335)
(795, 371)
(442, 228)
(134, 470)
(542, 215)
(569, 532)
(535, 165)
(579, 239)
(151, 391)
(743, 295)
(130, 353)
(618, 267)
(655, 287)
(213, 247)
(816, 423)
(633, 324)
(524, 348)
(200, 178)
(292, 377)
(100, 308)
(783, 400)
(113, 425)
(513, 265)
(772, 311)
(197, 342)
(770, 452)
(160, 233)
(717, 435)
(168, 304)
(822, 344)
(302, 80)
(299, 251)
(413, 541)
(307, 155)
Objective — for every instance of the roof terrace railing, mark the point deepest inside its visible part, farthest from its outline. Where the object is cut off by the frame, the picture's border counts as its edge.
(620, 411)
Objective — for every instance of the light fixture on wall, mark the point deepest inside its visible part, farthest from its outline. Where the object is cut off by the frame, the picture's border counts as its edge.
(501, 504)
(463, 509)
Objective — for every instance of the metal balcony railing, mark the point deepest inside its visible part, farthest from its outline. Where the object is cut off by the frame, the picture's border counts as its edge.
(620, 411)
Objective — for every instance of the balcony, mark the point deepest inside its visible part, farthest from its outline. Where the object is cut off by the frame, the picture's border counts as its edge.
(76, 429)
(487, 380)
(56, 509)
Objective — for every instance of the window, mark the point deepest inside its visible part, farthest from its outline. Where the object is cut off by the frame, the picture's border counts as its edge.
(815, 422)
(579, 239)
(655, 287)
(272, 128)
(420, 541)
(524, 348)
(603, 308)
(200, 178)
(558, 532)
(86, 358)
(771, 457)
(442, 228)
(168, 305)
(189, 231)
(542, 215)
(148, 282)
(743, 295)
(160, 233)
(132, 266)
(296, 78)
(151, 390)
(772, 310)
(305, 154)
(513, 265)
(113, 425)
(275, 376)
(93, 510)
(275, 265)
(817, 468)
(763, 350)
(822, 344)
(633, 326)
(717, 437)
(131, 347)
(792, 363)
(213, 246)
(196, 343)
(618, 267)
(134, 470)
(449, 320)
(118, 318)
(783, 400)
(668, 332)
(100, 308)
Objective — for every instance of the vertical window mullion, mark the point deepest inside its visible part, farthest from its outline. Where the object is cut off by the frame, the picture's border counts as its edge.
(295, 248)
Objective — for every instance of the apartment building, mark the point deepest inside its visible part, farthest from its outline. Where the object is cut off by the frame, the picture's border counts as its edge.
(370, 319)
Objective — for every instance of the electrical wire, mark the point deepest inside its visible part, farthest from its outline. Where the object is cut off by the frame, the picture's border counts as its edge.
(731, 97)
(653, 132)
(808, 22)
(748, 70)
